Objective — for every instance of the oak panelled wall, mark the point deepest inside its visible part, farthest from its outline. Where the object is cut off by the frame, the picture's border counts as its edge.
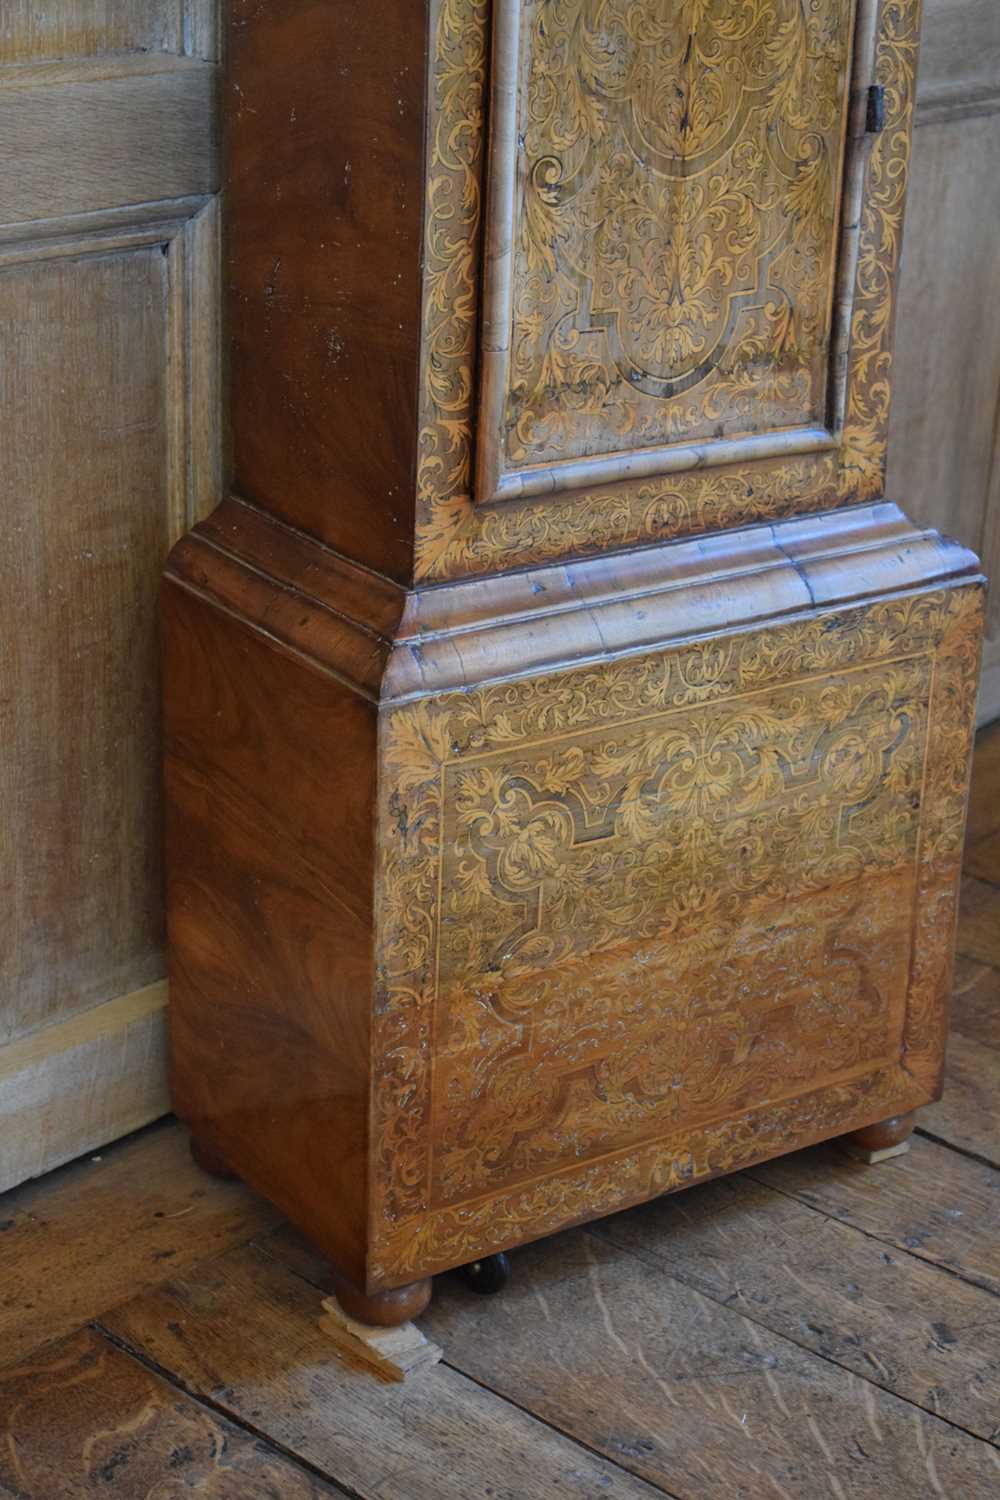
(109, 423)
(944, 455)
(87, 28)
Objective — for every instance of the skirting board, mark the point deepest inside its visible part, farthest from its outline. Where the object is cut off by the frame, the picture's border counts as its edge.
(73, 1087)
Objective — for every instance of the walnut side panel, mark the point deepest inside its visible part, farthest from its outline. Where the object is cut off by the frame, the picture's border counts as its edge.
(649, 920)
(270, 770)
(324, 192)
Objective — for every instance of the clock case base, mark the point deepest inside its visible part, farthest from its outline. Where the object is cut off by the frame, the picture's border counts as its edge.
(501, 905)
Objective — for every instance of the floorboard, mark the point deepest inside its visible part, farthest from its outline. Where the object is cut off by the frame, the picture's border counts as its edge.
(935, 1202)
(79, 1240)
(243, 1331)
(85, 1419)
(690, 1394)
(888, 1317)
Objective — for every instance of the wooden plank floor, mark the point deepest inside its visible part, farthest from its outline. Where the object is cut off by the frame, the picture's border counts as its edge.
(809, 1328)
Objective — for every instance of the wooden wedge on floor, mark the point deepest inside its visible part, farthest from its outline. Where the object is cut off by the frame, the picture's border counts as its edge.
(393, 1353)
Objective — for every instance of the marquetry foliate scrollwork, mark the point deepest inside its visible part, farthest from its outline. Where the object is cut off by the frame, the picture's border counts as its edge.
(455, 537)
(620, 903)
(674, 235)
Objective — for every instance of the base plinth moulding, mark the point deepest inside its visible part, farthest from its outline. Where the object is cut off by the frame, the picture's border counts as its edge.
(493, 910)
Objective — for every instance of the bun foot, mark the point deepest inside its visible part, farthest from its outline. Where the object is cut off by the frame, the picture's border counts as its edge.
(385, 1309)
(210, 1161)
(879, 1142)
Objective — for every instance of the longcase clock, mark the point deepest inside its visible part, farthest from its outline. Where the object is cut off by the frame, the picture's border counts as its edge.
(567, 741)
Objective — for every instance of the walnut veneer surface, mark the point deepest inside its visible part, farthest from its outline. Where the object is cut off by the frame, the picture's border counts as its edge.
(519, 871)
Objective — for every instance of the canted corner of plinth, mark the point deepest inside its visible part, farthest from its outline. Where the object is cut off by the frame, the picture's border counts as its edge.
(390, 1353)
(870, 1158)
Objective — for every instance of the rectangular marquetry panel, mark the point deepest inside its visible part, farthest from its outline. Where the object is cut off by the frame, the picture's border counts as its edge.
(83, 407)
(659, 912)
(663, 236)
(749, 858)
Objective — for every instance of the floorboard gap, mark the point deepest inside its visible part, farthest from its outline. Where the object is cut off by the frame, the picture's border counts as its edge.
(940, 1140)
(562, 1432)
(880, 1239)
(485, 1386)
(221, 1410)
(648, 1258)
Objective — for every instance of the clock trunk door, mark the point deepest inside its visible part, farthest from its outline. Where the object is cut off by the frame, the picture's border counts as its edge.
(672, 236)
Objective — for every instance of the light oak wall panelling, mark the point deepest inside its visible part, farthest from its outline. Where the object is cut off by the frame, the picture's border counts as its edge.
(989, 683)
(114, 336)
(74, 28)
(102, 131)
(86, 502)
(189, 242)
(196, 255)
(948, 360)
(110, 436)
(201, 29)
(944, 454)
(75, 1085)
(959, 59)
(30, 31)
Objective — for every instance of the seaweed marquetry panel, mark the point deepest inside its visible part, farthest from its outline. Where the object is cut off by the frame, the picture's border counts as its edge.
(660, 256)
(640, 917)
(672, 175)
